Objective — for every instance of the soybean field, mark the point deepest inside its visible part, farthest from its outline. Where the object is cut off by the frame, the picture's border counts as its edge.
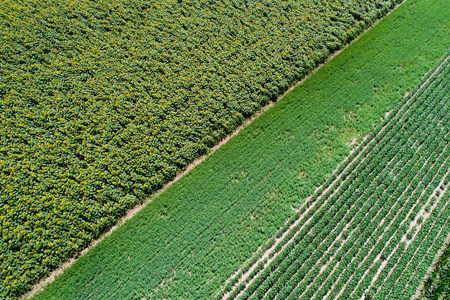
(437, 286)
(372, 230)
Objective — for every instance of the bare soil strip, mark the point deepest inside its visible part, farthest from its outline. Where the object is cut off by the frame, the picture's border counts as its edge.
(51, 277)
(244, 277)
(266, 253)
(130, 213)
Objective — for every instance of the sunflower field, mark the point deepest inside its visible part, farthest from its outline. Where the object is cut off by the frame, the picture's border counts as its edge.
(102, 102)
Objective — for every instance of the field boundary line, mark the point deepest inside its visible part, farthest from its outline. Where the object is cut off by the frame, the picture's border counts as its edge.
(231, 205)
(280, 97)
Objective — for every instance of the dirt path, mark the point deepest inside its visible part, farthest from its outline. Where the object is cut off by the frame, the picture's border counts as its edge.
(266, 253)
(130, 213)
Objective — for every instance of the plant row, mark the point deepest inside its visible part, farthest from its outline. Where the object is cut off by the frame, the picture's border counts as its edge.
(438, 284)
(407, 135)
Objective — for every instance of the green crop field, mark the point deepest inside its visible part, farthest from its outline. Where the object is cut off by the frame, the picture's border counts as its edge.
(192, 238)
(374, 228)
(438, 285)
(102, 102)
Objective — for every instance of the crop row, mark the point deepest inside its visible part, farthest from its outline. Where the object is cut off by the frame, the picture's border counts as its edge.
(355, 222)
(380, 192)
(398, 230)
(412, 265)
(347, 270)
(375, 140)
(415, 183)
(194, 235)
(383, 212)
(437, 286)
(326, 272)
(426, 203)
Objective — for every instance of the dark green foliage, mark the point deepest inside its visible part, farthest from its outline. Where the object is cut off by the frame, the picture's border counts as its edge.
(438, 285)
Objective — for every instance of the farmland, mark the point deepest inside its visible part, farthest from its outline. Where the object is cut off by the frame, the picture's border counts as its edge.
(374, 228)
(102, 102)
(196, 234)
(438, 285)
